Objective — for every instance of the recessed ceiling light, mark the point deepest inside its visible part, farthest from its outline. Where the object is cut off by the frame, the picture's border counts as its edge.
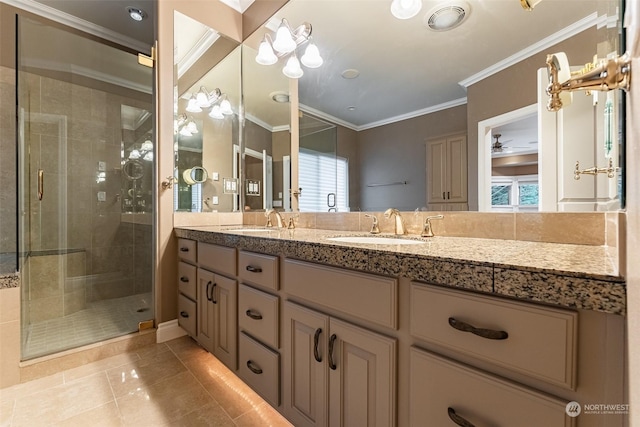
(351, 108)
(136, 14)
(447, 16)
(350, 73)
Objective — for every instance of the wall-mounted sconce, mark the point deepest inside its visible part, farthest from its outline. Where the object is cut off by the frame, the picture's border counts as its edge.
(285, 44)
(216, 100)
(145, 152)
(185, 126)
(603, 75)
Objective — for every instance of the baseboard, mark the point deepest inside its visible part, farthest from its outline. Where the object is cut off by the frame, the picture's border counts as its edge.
(169, 330)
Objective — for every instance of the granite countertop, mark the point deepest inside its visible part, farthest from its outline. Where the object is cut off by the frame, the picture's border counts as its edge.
(574, 276)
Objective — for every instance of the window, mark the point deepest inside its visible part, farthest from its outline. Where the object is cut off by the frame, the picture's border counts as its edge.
(324, 183)
(514, 193)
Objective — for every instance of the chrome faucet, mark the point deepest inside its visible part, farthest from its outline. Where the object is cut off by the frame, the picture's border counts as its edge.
(268, 213)
(427, 231)
(400, 228)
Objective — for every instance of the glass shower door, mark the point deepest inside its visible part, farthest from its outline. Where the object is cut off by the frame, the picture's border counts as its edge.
(86, 162)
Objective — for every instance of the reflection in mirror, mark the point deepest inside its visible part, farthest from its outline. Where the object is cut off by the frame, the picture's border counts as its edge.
(207, 101)
(266, 133)
(137, 160)
(389, 92)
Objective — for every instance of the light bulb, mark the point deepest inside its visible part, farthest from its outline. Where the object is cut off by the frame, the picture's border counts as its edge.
(202, 98)
(266, 56)
(147, 146)
(216, 113)
(185, 132)
(284, 42)
(225, 107)
(193, 106)
(405, 9)
(192, 127)
(292, 69)
(148, 157)
(135, 154)
(311, 57)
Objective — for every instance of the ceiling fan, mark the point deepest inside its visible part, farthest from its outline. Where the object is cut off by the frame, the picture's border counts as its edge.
(498, 147)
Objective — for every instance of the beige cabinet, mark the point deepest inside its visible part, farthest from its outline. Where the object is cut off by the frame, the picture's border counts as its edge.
(336, 373)
(447, 171)
(187, 306)
(218, 316)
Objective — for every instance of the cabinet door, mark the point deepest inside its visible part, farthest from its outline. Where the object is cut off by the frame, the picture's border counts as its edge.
(362, 377)
(225, 320)
(436, 171)
(456, 186)
(206, 280)
(305, 366)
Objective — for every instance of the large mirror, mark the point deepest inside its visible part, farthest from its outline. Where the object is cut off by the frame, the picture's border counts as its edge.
(207, 125)
(395, 109)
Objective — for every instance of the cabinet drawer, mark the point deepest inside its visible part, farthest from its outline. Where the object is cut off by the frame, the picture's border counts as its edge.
(258, 269)
(187, 315)
(220, 259)
(187, 279)
(187, 250)
(437, 384)
(366, 296)
(260, 368)
(258, 314)
(540, 341)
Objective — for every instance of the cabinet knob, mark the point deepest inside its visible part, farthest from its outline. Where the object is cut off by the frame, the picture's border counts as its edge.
(184, 279)
(332, 342)
(184, 314)
(253, 314)
(184, 249)
(254, 269)
(316, 339)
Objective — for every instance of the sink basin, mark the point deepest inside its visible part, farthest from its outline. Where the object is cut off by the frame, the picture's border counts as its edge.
(372, 240)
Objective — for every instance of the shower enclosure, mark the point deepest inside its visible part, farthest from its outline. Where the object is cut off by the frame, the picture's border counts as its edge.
(86, 174)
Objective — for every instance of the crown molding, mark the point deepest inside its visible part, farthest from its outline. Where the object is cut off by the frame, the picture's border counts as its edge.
(322, 115)
(413, 114)
(266, 125)
(564, 34)
(77, 23)
(202, 45)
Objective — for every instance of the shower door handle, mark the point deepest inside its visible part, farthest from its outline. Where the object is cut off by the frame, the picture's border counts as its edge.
(40, 184)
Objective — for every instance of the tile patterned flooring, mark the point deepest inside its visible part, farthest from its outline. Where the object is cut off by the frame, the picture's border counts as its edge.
(101, 320)
(177, 383)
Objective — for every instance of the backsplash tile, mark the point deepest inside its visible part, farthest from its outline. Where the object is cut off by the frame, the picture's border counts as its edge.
(584, 228)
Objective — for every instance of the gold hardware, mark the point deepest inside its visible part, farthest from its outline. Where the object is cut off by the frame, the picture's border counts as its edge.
(145, 324)
(40, 184)
(147, 61)
(610, 170)
(427, 231)
(529, 4)
(168, 183)
(602, 75)
(268, 213)
(296, 193)
(399, 222)
(375, 229)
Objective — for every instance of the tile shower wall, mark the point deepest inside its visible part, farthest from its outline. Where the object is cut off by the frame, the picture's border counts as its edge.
(8, 237)
(83, 241)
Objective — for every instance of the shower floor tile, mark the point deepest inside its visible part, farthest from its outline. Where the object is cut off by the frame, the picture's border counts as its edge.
(100, 321)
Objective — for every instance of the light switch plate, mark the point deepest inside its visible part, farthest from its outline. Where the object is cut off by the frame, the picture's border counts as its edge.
(102, 196)
(215, 176)
(215, 200)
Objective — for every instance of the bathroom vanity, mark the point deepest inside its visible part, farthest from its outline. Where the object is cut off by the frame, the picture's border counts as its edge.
(446, 332)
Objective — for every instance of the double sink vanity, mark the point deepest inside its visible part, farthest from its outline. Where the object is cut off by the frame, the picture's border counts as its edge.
(350, 328)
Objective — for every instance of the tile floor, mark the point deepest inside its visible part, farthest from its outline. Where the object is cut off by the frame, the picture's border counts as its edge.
(101, 320)
(171, 384)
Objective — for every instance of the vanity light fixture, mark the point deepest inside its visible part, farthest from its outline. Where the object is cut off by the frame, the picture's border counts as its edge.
(185, 126)
(405, 9)
(285, 44)
(193, 106)
(136, 14)
(216, 100)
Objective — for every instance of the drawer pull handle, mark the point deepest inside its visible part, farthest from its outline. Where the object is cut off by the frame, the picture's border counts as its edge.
(184, 314)
(184, 279)
(489, 334)
(458, 419)
(316, 339)
(184, 249)
(209, 283)
(213, 292)
(253, 314)
(332, 342)
(254, 269)
(253, 367)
